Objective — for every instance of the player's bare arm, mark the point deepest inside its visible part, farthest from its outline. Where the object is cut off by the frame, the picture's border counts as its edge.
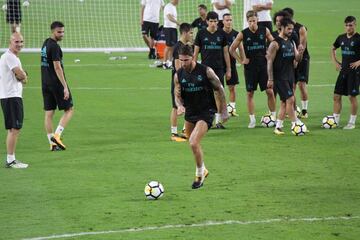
(303, 37)
(236, 43)
(172, 19)
(269, 37)
(271, 53)
(298, 54)
(178, 100)
(60, 74)
(142, 14)
(227, 62)
(20, 74)
(219, 93)
(334, 59)
(196, 53)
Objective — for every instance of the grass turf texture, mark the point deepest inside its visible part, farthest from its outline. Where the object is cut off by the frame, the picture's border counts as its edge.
(119, 137)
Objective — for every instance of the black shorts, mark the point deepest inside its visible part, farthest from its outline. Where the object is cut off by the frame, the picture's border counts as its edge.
(284, 89)
(173, 92)
(13, 12)
(13, 112)
(348, 83)
(208, 118)
(234, 80)
(220, 73)
(53, 96)
(268, 25)
(254, 76)
(170, 36)
(302, 71)
(150, 27)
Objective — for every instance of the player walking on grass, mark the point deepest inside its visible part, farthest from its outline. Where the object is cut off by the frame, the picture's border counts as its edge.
(198, 93)
(211, 43)
(280, 66)
(12, 78)
(348, 80)
(254, 40)
(55, 90)
(186, 37)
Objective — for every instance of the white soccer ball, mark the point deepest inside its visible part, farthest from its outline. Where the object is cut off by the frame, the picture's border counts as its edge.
(26, 3)
(268, 121)
(154, 190)
(230, 109)
(299, 129)
(329, 122)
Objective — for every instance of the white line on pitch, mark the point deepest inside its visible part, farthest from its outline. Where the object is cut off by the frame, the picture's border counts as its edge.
(153, 88)
(204, 224)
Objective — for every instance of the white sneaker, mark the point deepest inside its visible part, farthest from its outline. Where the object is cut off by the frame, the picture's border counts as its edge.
(252, 125)
(16, 164)
(349, 126)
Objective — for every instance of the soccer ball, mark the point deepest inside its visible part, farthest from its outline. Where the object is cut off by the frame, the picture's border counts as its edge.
(230, 109)
(154, 190)
(268, 120)
(299, 129)
(329, 122)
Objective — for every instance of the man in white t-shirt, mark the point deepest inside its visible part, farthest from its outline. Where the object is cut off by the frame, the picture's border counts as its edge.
(262, 8)
(12, 77)
(170, 31)
(149, 21)
(222, 7)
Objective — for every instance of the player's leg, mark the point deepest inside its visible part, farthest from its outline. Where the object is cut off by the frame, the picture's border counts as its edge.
(280, 119)
(251, 108)
(263, 78)
(271, 101)
(232, 90)
(218, 121)
(353, 91)
(198, 132)
(339, 90)
(145, 30)
(153, 34)
(251, 81)
(304, 98)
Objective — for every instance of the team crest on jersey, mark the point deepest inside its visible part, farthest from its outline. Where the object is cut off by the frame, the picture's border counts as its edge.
(283, 46)
(206, 39)
(183, 80)
(352, 43)
(218, 39)
(261, 36)
(248, 39)
(199, 78)
(342, 43)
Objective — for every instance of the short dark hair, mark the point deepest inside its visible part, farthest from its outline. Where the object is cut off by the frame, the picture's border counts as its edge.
(286, 21)
(281, 13)
(212, 15)
(56, 24)
(184, 28)
(226, 14)
(202, 6)
(349, 19)
(186, 50)
(250, 14)
(290, 11)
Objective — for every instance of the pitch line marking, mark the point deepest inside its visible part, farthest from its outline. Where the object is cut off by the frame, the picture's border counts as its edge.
(154, 88)
(204, 224)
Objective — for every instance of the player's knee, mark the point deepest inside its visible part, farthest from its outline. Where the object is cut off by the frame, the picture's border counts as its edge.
(193, 144)
(337, 98)
(250, 94)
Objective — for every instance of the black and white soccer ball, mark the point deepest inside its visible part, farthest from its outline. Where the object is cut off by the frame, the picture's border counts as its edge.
(268, 121)
(230, 109)
(299, 129)
(329, 122)
(154, 190)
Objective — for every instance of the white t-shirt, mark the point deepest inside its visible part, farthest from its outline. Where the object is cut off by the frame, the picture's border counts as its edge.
(169, 9)
(9, 85)
(152, 10)
(264, 15)
(222, 11)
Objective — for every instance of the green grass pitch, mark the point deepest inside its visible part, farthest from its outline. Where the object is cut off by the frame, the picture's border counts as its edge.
(118, 140)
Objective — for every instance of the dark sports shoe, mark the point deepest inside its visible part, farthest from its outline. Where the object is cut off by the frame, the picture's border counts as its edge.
(219, 126)
(199, 181)
(304, 113)
(54, 148)
(56, 139)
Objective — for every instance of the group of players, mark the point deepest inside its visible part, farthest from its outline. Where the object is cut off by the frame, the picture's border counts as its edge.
(276, 61)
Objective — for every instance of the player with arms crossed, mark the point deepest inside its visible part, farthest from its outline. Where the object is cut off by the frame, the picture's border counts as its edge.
(55, 90)
(280, 66)
(348, 80)
(198, 93)
(12, 78)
